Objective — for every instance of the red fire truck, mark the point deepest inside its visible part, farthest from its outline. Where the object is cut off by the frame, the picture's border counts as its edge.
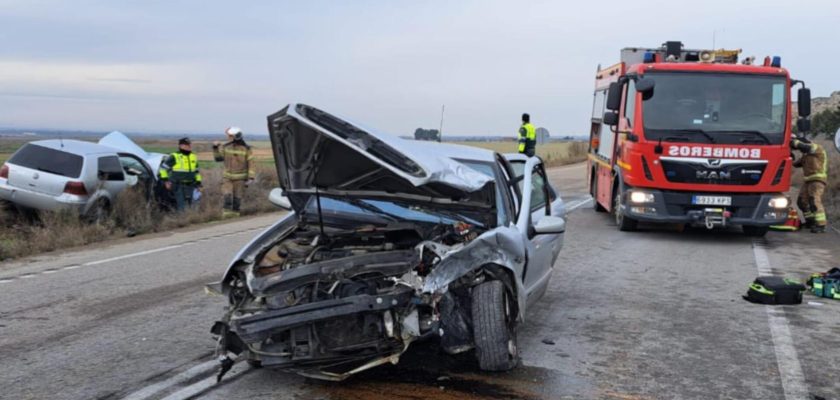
(693, 137)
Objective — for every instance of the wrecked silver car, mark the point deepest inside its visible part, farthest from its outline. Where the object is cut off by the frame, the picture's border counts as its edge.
(388, 241)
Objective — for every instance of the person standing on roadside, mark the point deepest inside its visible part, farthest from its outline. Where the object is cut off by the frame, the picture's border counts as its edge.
(814, 164)
(239, 170)
(180, 175)
(527, 137)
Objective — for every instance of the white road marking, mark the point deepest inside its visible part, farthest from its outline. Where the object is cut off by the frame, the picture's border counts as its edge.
(577, 204)
(158, 387)
(70, 267)
(790, 370)
(132, 255)
(205, 384)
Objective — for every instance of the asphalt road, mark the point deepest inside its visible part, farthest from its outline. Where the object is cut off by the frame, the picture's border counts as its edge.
(655, 314)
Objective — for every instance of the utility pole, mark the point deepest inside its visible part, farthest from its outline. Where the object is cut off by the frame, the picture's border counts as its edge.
(440, 131)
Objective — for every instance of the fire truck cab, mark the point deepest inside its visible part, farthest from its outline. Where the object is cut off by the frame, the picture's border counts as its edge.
(693, 137)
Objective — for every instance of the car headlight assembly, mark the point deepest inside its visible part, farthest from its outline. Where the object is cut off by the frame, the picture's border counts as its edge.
(641, 197)
(779, 202)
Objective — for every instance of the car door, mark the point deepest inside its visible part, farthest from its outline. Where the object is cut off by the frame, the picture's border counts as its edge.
(110, 176)
(536, 203)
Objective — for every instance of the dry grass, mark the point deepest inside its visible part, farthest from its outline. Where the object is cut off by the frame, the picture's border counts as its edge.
(132, 214)
(554, 153)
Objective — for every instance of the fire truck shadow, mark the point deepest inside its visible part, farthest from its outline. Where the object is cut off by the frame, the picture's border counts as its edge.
(689, 232)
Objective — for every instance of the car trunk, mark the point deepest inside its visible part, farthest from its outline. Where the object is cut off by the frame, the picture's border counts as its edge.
(42, 169)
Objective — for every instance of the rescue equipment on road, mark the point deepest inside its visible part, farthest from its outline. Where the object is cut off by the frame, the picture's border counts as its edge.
(775, 290)
(826, 284)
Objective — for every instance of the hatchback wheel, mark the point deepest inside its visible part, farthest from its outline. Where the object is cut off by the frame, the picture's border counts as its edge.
(99, 212)
(493, 327)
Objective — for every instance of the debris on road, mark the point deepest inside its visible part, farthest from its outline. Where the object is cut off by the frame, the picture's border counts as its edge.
(548, 342)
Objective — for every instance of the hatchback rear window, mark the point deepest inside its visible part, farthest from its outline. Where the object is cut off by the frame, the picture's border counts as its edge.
(48, 160)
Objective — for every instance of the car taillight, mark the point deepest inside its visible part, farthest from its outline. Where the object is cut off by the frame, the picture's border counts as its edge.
(77, 188)
(4, 171)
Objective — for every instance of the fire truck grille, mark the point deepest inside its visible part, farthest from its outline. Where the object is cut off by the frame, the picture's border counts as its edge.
(730, 174)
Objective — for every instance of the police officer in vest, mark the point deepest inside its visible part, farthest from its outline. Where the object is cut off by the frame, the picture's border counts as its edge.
(527, 137)
(239, 169)
(180, 174)
(814, 164)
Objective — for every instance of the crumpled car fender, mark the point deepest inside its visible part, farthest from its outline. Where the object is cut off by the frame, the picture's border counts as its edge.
(502, 247)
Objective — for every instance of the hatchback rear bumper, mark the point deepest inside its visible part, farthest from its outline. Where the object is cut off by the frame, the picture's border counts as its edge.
(41, 201)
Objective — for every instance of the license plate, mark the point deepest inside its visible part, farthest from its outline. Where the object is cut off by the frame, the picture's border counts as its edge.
(711, 200)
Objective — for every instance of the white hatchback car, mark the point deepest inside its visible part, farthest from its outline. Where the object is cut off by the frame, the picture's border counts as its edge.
(77, 175)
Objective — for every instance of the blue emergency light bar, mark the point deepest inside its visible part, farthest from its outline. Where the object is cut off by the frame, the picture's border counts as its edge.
(777, 62)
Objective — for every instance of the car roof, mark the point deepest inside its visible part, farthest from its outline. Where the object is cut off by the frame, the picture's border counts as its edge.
(75, 146)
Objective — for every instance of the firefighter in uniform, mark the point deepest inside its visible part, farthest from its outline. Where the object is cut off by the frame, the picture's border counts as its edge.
(238, 170)
(527, 137)
(180, 174)
(814, 164)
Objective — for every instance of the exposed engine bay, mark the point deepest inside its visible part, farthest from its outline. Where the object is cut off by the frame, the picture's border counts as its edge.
(328, 303)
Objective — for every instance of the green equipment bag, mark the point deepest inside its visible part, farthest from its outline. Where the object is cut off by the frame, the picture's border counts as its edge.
(826, 284)
(775, 290)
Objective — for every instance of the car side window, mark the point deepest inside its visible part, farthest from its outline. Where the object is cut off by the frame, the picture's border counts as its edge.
(109, 169)
(538, 199)
(135, 164)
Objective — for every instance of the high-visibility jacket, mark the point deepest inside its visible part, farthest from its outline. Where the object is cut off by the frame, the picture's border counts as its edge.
(527, 138)
(814, 161)
(238, 159)
(181, 168)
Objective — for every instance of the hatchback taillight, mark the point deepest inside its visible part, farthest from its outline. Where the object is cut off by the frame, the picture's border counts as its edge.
(4, 171)
(77, 188)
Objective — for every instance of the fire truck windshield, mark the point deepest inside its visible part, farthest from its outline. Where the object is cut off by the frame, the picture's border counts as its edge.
(716, 108)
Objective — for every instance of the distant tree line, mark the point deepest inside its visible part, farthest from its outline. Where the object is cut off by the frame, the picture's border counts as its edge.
(427, 134)
(826, 122)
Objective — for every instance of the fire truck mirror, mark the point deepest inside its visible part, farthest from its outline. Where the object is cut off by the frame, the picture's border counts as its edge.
(645, 85)
(804, 101)
(614, 97)
(803, 125)
(611, 118)
(837, 139)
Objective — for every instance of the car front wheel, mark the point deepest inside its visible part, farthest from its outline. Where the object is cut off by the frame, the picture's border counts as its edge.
(493, 327)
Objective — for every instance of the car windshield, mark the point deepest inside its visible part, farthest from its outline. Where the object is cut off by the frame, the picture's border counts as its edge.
(716, 108)
(48, 160)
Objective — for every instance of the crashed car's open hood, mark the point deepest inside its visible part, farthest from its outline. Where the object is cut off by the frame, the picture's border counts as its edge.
(315, 149)
(121, 142)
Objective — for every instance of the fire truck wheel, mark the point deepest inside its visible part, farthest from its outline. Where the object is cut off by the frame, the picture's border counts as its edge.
(624, 223)
(755, 231)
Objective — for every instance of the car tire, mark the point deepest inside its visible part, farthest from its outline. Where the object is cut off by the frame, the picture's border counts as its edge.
(99, 212)
(755, 231)
(494, 333)
(623, 222)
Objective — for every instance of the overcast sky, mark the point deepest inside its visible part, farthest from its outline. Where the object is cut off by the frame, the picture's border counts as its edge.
(178, 66)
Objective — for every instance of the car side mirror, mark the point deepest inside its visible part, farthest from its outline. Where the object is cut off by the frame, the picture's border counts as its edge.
(279, 199)
(550, 224)
(803, 99)
(837, 139)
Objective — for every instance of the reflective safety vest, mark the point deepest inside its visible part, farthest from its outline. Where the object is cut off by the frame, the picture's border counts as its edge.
(238, 159)
(527, 138)
(181, 168)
